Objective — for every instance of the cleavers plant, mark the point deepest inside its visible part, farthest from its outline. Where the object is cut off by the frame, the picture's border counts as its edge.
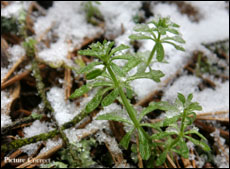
(159, 34)
(112, 82)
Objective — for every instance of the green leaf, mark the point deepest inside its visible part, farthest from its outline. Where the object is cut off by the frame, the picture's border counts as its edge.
(142, 28)
(129, 93)
(193, 131)
(189, 98)
(80, 91)
(89, 67)
(178, 39)
(194, 106)
(204, 146)
(156, 125)
(153, 75)
(184, 151)
(175, 46)
(119, 48)
(124, 56)
(161, 159)
(93, 74)
(155, 105)
(114, 117)
(140, 36)
(102, 83)
(174, 31)
(95, 102)
(126, 139)
(131, 64)
(172, 120)
(160, 52)
(117, 70)
(109, 99)
(181, 97)
(90, 52)
(162, 135)
(144, 146)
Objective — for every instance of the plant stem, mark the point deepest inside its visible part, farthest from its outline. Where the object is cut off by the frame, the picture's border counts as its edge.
(151, 55)
(153, 50)
(125, 101)
(182, 124)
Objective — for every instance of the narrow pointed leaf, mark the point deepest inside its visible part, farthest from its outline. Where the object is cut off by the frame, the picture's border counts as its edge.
(124, 56)
(189, 98)
(192, 131)
(93, 74)
(102, 83)
(126, 139)
(194, 106)
(175, 38)
(153, 106)
(95, 102)
(114, 117)
(117, 70)
(131, 64)
(172, 120)
(181, 97)
(174, 31)
(161, 159)
(204, 146)
(119, 48)
(162, 135)
(160, 52)
(144, 146)
(110, 98)
(184, 151)
(153, 75)
(80, 91)
(175, 46)
(139, 36)
(89, 67)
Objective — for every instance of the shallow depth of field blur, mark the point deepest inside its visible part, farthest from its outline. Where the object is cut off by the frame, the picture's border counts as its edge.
(61, 29)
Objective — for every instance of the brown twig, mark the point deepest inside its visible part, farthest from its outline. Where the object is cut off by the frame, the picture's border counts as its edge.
(12, 156)
(223, 149)
(213, 118)
(193, 161)
(211, 129)
(41, 156)
(18, 77)
(67, 77)
(140, 163)
(171, 161)
(14, 67)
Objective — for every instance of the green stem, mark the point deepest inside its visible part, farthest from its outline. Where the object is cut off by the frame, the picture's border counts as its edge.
(153, 50)
(125, 101)
(182, 124)
(151, 55)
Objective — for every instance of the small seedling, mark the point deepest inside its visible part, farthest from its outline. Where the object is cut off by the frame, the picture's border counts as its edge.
(93, 14)
(158, 34)
(113, 83)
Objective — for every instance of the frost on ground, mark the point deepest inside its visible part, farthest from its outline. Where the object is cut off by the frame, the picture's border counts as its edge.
(68, 24)
(36, 128)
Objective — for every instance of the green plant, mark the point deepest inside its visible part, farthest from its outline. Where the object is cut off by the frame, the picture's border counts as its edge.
(93, 14)
(112, 82)
(158, 34)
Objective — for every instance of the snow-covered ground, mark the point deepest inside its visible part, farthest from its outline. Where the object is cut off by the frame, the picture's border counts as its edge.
(70, 25)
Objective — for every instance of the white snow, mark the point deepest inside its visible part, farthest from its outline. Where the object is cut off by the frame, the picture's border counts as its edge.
(70, 24)
(36, 128)
(14, 8)
(64, 110)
